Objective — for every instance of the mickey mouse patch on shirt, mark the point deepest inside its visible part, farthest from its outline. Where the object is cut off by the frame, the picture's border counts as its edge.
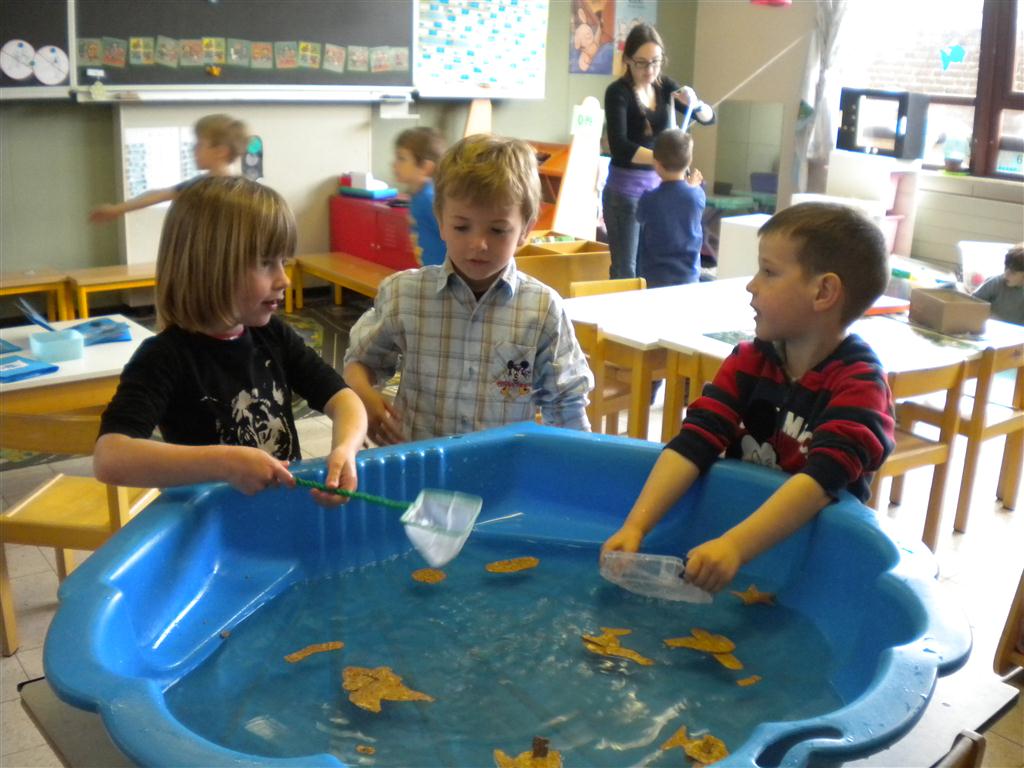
(516, 380)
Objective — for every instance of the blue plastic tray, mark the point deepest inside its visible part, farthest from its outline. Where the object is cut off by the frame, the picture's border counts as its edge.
(149, 607)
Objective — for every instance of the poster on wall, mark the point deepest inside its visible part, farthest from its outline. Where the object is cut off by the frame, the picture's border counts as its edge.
(592, 37)
(629, 13)
(480, 48)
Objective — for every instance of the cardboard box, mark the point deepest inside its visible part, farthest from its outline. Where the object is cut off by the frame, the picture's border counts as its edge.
(948, 311)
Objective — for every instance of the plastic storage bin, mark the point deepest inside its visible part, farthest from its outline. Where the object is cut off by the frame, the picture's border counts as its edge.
(56, 346)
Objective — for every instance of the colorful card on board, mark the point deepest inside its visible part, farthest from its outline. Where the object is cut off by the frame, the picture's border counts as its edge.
(380, 59)
(16, 368)
(399, 56)
(6, 346)
(115, 52)
(358, 58)
(166, 51)
(239, 52)
(334, 57)
(286, 54)
(309, 54)
(140, 51)
(90, 52)
(262, 55)
(213, 50)
(190, 53)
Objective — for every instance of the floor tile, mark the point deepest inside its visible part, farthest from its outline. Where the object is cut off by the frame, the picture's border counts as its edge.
(11, 673)
(1002, 753)
(17, 731)
(36, 757)
(25, 560)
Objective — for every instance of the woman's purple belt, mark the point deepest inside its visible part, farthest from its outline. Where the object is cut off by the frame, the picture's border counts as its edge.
(631, 182)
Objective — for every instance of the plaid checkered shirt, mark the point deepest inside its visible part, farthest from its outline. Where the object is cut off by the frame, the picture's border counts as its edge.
(471, 364)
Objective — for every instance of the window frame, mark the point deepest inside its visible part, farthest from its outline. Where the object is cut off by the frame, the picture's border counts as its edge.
(994, 91)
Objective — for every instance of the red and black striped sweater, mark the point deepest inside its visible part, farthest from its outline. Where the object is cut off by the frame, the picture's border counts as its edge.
(835, 423)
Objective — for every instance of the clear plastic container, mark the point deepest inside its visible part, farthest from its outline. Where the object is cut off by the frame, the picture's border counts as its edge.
(57, 346)
(439, 522)
(658, 576)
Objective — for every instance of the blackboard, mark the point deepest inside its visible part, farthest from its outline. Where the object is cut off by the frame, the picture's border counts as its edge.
(42, 25)
(132, 43)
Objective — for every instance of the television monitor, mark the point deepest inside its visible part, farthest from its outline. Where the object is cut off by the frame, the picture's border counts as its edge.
(877, 122)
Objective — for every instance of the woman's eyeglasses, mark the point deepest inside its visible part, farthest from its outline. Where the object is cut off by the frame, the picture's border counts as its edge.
(644, 64)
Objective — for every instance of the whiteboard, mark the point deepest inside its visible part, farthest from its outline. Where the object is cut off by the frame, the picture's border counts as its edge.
(492, 49)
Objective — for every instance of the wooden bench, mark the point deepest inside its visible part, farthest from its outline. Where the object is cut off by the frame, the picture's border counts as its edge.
(45, 280)
(342, 270)
(83, 282)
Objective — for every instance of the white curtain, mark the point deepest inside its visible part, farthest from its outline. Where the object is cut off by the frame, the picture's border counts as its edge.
(815, 133)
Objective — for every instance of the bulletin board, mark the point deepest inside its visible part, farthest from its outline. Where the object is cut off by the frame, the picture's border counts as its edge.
(280, 49)
(284, 44)
(34, 55)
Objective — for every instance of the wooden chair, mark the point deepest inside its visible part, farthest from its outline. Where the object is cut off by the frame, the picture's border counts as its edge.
(1010, 651)
(912, 451)
(66, 512)
(594, 287)
(981, 420)
(610, 395)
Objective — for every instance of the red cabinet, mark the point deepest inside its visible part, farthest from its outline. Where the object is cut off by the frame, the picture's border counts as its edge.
(372, 230)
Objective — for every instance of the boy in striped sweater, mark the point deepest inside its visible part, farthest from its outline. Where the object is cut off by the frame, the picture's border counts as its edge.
(805, 396)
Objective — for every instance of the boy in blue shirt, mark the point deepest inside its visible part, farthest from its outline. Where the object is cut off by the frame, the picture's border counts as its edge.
(670, 216)
(417, 153)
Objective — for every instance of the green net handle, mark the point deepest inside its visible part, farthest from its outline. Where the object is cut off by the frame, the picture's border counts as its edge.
(384, 502)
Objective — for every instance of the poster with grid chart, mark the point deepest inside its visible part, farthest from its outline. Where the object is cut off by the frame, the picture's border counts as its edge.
(481, 48)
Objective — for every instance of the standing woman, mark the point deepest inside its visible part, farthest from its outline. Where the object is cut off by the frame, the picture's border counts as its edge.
(638, 106)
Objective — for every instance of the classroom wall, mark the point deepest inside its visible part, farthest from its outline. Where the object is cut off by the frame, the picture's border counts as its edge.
(733, 41)
(55, 160)
(547, 119)
(306, 147)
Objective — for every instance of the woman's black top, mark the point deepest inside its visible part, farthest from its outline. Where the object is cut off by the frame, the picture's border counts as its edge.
(628, 119)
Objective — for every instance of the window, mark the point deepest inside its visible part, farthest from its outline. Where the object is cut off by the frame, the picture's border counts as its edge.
(965, 55)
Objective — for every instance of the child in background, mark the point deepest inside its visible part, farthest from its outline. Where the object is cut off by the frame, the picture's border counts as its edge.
(805, 396)
(1006, 292)
(480, 343)
(220, 140)
(218, 378)
(417, 153)
(670, 215)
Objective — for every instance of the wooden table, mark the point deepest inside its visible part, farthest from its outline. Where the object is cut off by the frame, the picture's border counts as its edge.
(88, 381)
(117, 277)
(44, 280)
(634, 323)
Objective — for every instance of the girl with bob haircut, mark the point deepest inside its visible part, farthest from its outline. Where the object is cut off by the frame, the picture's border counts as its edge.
(217, 380)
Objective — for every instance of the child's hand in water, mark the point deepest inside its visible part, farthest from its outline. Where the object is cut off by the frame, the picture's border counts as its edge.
(626, 539)
(251, 470)
(713, 564)
(341, 473)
